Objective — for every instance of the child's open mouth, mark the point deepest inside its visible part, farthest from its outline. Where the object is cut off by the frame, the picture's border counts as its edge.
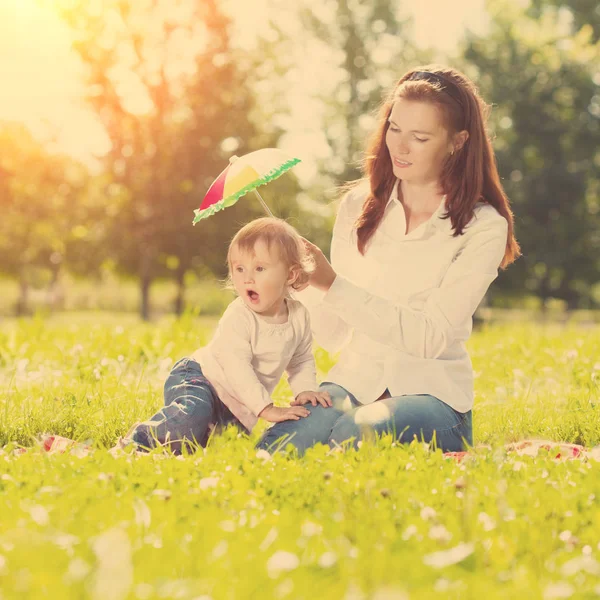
(253, 296)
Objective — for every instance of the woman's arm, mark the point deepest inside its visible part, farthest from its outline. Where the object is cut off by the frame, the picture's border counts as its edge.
(427, 333)
(302, 370)
(329, 329)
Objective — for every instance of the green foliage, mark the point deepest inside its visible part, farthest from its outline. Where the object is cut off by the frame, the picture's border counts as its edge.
(42, 205)
(169, 146)
(229, 522)
(543, 83)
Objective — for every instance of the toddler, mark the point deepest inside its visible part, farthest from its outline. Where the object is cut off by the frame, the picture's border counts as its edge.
(261, 333)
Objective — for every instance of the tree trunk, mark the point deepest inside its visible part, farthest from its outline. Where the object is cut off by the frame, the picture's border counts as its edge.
(21, 307)
(544, 291)
(55, 295)
(145, 283)
(180, 297)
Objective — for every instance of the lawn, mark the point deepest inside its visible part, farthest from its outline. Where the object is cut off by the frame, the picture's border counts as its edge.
(385, 522)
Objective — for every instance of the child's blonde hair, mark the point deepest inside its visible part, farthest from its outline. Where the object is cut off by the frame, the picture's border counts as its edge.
(274, 233)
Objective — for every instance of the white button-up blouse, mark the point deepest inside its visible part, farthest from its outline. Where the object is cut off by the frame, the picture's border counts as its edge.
(401, 314)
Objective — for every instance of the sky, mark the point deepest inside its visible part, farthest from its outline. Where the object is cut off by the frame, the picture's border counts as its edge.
(42, 79)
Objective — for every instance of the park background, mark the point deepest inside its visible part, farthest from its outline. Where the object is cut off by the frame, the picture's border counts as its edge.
(115, 117)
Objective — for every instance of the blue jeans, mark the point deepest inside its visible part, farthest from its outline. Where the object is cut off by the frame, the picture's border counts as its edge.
(418, 416)
(192, 409)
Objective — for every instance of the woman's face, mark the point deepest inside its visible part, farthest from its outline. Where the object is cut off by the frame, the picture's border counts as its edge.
(418, 141)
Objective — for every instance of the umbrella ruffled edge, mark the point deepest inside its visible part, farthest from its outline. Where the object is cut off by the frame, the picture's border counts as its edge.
(232, 198)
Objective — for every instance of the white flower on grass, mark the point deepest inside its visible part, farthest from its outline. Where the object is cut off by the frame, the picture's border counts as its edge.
(354, 593)
(566, 536)
(439, 532)
(220, 549)
(390, 593)
(309, 529)
(264, 455)
(143, 516)
(162, 494)
(280, 562)
(143, 591)
(558, 589)
(452, 556)
(39, 514)
(328, 559)
(581, 563)
(77, 570)
(227, 526)
(269, 539)
(208, 482)
(66, 541)
(409, 532)
(486, 521)
(428, 513)
(113, 575)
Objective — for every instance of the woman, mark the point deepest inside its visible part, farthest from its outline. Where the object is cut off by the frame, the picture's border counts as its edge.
(415, 246)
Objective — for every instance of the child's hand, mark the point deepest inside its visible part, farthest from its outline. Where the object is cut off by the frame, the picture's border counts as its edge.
(322, 398)
(276, 414)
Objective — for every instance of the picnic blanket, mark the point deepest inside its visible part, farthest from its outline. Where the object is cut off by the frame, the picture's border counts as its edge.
(53, 444)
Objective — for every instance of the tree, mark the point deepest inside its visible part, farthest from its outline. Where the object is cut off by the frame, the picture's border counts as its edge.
(577, 13)
(166, 85)
(368, 48)
(37, 192)
(541, 81)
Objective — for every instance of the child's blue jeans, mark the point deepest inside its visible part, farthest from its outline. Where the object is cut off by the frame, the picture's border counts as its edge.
(418, 416)
(192, 409)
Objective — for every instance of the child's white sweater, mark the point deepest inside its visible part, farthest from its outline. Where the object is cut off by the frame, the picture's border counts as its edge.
(246, 358)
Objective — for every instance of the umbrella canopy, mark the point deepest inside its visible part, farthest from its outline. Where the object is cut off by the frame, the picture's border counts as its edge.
(243, 175)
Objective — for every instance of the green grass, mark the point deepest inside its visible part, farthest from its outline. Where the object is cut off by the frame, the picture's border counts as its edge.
(226, 523)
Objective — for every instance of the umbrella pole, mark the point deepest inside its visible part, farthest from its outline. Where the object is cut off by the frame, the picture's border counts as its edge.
(264, 204)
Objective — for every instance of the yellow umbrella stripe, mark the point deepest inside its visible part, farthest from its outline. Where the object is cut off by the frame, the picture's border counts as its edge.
(240, 180)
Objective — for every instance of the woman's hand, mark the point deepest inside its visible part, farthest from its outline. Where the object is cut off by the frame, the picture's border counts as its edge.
(323, 275)
(322, 398)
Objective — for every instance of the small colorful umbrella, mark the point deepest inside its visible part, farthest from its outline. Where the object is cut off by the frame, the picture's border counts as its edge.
(243, 175)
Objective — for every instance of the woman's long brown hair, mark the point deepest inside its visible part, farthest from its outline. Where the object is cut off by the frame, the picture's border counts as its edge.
(470, 175)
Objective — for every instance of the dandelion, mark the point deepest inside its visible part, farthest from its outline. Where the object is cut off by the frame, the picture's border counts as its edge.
(581, 563)
(143, 516)
(309, 529)
(114, 573)
(328, 559)
(428, 513)
(410, 531)
(220, 549)
(281, 562)
(263, 455)
(269, 539)
(452, 556)
(77, 570)
(39, 514)
(228, 526)
(440, 533)
(208, 482)
(487, 521)
(390, 593)
(559, 589)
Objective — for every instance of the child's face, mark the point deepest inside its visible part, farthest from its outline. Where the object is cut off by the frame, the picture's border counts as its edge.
(260, 278)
